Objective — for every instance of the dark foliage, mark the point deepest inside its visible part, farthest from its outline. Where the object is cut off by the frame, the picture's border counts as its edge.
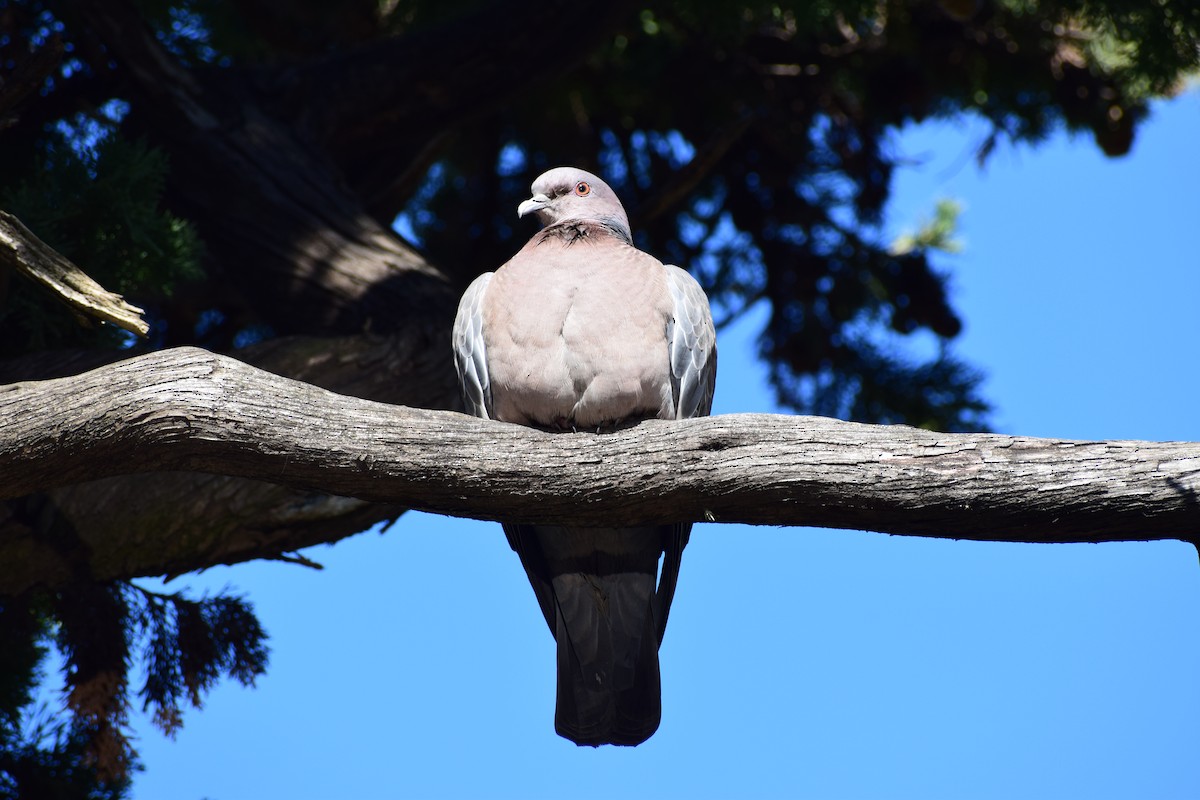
(186, 645)
(42, 756)
(190, 645)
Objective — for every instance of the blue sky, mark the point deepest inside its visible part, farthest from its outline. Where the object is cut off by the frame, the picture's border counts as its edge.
(801, 662)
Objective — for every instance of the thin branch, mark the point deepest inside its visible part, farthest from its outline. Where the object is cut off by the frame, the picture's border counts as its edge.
(21, 250)
(299, 560)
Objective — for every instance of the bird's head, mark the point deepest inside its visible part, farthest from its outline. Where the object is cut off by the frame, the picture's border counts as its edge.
(569, 194)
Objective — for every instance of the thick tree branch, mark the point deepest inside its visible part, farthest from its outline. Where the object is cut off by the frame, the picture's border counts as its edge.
(187, 409)
(193, 520)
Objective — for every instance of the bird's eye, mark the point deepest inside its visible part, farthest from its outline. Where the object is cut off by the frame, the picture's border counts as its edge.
(582, 189)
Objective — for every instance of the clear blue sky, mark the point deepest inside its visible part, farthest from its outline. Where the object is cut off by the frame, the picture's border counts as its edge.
(799, 662)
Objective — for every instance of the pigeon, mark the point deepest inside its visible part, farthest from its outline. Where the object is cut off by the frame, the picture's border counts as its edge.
(581, 331)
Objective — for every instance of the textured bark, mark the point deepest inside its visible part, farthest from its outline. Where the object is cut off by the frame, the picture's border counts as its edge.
(185, 520)
(187, 409)
(24, 252)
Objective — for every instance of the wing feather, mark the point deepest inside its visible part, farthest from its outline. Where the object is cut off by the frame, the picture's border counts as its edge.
(692, 347)
(692, 343)
(470, 352)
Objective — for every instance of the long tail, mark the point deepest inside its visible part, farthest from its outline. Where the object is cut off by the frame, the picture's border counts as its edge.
(596, 588)
(609, 690)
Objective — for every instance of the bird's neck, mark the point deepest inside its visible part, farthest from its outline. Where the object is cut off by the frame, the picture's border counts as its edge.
(571, 231)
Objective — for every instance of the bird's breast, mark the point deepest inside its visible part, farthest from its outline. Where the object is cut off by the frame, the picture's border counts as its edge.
(573, 343)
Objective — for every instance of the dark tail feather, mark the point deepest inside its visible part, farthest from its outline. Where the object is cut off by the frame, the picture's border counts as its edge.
(608, 681)
(674, 540)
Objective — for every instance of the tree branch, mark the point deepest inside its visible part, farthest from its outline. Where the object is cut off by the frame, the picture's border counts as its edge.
(176, 522)
(188, 409)
(24, 252)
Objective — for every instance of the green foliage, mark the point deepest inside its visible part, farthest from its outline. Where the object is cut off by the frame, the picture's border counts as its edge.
(1149, 44)
(94, 197)
(934, 234)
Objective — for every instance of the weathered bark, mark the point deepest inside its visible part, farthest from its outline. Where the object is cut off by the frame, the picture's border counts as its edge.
(24, 252)
(187, 409)
(223, 519)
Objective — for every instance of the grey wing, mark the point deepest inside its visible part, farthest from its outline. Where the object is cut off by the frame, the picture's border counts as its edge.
(692, 344)
(470, 353)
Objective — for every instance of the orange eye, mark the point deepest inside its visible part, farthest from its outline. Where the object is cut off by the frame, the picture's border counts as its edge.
(582, 189)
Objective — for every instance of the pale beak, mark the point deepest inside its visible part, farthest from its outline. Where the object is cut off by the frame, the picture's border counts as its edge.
(533, 205)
